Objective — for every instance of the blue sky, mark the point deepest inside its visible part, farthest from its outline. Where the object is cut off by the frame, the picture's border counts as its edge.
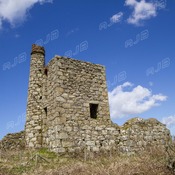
(133, 39)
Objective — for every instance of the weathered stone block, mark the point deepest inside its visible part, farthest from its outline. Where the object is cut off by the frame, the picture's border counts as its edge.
(90, 143)
(62, 135)
(66, 144)
(61, 150)
(60, 99)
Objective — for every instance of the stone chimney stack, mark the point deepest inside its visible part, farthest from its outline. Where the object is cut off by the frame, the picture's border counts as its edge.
(34, 119)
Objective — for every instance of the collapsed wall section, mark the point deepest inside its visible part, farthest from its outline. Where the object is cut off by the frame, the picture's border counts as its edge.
(138, 133)
(15, 141)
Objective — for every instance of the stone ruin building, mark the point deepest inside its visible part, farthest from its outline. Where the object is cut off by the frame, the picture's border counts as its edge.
(68, 110)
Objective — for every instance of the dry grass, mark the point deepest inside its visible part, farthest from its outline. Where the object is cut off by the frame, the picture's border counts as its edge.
(150, 162)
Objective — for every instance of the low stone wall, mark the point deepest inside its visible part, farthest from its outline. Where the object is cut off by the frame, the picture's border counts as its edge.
(137, 133)
(92, 136)
(133, 136)
(13, 141)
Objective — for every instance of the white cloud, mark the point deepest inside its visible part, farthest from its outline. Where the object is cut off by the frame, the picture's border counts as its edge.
(142, 10)
(169, 121)
(116, 18)
(125, 100)
(15, 11)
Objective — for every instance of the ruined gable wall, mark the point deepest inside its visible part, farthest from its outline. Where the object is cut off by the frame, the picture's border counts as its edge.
(138, 133)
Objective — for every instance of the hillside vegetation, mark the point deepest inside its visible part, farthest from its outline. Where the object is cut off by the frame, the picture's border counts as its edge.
(43, 162)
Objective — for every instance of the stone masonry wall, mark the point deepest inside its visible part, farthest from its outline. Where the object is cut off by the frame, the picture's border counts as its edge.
(134, 136)
(138, 133)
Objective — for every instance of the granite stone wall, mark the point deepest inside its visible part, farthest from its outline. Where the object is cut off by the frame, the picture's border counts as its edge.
(134, 136)
(137, 134)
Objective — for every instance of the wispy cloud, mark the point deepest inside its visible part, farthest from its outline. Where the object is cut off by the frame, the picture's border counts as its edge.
(17, 35)
(142, 11)
(116, 18)
(126, 100)
(15, 11)
(169, 121)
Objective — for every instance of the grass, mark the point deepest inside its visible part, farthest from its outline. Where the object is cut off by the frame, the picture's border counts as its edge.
(150, 162)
